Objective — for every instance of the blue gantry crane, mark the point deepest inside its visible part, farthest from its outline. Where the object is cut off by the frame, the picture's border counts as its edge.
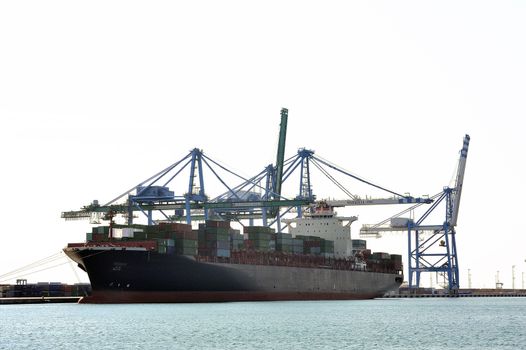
(431, 247)
(236, 203)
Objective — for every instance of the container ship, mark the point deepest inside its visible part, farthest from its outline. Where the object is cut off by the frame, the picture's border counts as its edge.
(171, 262)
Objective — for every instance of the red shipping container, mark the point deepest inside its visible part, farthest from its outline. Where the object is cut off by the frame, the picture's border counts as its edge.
(214, 223)
(174, 227)
(186, 235)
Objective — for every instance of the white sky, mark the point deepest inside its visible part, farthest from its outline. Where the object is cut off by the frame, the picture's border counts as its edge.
(95, 97)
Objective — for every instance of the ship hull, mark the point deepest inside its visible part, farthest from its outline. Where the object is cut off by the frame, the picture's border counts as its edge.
(120, 275)
(115, 297)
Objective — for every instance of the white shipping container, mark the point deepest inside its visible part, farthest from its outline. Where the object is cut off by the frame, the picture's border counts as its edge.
(400, 222)
(125, 232)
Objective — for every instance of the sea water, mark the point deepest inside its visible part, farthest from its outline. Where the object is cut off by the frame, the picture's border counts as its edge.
(438, 323)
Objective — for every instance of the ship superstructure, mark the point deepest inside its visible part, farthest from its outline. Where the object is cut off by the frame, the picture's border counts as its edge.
(323, 222)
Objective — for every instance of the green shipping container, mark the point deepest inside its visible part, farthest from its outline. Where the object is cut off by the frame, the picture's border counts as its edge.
(186, 251)
(151, 229)
(309, 238)
(285, 241)
(185, 243)
(238, 245)
(217, 237)
(259, 243)
(140, 236)
(165, 242)
(326, 244)
(283, 248)
(297, 242)
(104, 229)
(258, 229)
(217, 230)
(258, 236)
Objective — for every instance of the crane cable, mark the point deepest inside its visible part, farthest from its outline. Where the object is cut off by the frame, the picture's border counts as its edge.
(37, 263)
(25, 270)
(33, 272)
(330, 177)
(84, 291)
(348, 173)
(402, 212)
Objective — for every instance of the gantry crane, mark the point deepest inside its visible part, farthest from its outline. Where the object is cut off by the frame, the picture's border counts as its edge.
(431, 248)
(154, 195)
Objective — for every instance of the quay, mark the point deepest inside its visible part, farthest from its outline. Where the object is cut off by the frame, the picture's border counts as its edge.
(461, 293)
(39, 300)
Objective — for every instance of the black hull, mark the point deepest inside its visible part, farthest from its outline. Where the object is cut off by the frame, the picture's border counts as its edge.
(128, 275)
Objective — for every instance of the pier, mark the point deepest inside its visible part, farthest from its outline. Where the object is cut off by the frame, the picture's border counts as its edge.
(39, 300)
(461, 293)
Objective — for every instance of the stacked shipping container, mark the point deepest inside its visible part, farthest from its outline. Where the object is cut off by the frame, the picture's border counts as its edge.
(358, 245)
(185, 240)
(47, 289)
(236, 240)
(218, 239)
(284, 242)
(396, 260)
(314, 245)
(297, 245)
(258, 238)
(214, 239)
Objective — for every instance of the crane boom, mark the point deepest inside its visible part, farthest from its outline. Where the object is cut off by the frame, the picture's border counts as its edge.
(85, 213)
(457, 191)
(281, 152)
(377, 201)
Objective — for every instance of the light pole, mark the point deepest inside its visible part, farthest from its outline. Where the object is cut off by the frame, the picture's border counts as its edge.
(513, 277)
(469, 278)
